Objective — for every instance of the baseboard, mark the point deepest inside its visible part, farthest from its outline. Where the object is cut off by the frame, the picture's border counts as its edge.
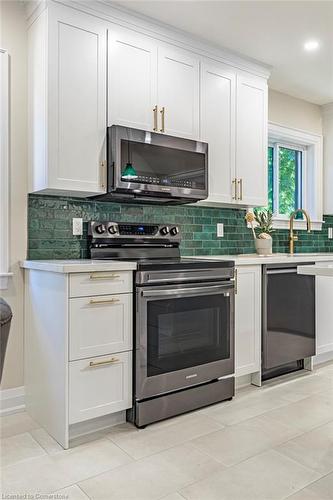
(96, 424)
(11, 400)
(323, 357)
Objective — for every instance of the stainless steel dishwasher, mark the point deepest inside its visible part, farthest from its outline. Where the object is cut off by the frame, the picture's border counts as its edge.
(288, 322)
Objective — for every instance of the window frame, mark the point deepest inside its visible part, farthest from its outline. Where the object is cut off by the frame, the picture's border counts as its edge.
(312, 144)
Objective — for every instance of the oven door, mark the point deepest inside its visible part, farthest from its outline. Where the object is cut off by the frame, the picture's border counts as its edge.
(184, 336)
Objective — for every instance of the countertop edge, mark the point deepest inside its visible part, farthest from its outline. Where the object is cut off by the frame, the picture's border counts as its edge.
(274, 259)
(79, 266)
(316, 270)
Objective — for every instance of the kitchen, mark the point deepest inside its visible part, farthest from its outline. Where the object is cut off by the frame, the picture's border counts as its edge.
(148, 278)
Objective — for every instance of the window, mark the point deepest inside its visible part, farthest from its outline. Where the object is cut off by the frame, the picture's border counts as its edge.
(294, 176)
(286, 173)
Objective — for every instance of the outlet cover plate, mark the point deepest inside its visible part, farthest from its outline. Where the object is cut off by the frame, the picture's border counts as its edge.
(77, 227)
(220, 230)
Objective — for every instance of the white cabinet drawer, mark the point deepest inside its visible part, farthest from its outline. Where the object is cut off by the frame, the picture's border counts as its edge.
(100, 283)
(100, 325)
(98, 386)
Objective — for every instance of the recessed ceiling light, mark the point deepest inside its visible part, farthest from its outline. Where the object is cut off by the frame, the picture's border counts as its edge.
(311, 45)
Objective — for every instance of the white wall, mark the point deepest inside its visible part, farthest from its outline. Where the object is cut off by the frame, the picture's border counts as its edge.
(14, 39)
(295, 113)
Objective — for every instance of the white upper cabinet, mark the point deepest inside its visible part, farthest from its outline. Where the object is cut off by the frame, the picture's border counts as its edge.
(132, 73)
(251, 140)
(151, 86)
(178, 92)
(234, 123)
(68, 64)
(87, 73)
(218, 87)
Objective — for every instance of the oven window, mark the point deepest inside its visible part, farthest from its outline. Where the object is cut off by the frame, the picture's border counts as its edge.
(186, 332)
(163, 166)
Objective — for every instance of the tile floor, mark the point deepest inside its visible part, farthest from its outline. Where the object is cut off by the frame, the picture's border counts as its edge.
(270, 443)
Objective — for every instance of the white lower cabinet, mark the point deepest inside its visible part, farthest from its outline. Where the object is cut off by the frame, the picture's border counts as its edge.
(99, 386)
(324, 314)
(99, 283)
(248, 320)
(99, 325)
(78, 350)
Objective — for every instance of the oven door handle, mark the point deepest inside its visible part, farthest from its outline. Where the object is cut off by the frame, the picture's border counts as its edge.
(195, 291)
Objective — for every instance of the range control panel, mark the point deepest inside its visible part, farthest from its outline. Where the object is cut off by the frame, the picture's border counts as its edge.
(109, 229)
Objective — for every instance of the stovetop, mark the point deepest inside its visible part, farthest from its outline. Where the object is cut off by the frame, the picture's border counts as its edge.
(153, 246)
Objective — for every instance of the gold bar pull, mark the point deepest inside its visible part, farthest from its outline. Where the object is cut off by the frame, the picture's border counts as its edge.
(155, 118)
(234, 183)
(92, 364)
(162, 111)
(103, 173)
(240, 183)
(101, 301)
(104, 276)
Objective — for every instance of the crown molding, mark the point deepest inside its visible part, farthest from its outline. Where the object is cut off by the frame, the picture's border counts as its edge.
(112, 12)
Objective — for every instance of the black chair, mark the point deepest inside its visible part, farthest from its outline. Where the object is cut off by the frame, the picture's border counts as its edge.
(5, 320)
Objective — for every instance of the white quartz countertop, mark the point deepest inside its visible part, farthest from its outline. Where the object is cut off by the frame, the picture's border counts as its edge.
(78, 265)
(317, 270)
(277, 258)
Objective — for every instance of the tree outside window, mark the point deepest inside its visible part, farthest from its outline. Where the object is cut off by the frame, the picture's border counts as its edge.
(285, 179)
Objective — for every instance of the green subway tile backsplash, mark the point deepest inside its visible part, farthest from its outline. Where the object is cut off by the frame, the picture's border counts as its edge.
(50, 228)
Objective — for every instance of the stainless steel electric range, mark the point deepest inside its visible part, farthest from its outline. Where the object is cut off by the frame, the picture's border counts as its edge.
(183, 317)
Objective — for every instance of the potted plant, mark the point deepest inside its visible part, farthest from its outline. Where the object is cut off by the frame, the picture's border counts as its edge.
(263, 226)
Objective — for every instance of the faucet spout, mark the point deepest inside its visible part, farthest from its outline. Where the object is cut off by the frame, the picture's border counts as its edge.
(292, 237)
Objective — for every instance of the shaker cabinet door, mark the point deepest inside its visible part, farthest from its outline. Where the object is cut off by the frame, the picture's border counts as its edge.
(132, 73)
(248, 320)
(99, 386)
(218, 86)
(178, 92)
(251, 140)
(77, 101)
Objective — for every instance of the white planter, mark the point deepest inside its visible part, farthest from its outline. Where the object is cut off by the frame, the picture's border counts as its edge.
(263, 246)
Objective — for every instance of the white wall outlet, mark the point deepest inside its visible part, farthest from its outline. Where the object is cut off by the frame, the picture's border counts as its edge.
(220, 230)
(77, 227)
(330, 233)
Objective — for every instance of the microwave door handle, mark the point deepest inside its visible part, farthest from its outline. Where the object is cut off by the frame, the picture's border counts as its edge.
(192, 292)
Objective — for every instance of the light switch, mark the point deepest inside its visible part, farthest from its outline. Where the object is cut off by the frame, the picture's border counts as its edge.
(220, 230)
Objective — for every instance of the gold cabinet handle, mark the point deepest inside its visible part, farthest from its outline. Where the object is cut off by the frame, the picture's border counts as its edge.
(240, 184)
(93, 364)
(104, 276)
(155, 118)
(103, 173)
(162, 111)
(101, 301)
(234, 183)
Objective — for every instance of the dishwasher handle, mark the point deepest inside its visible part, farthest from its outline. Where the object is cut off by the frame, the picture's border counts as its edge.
(292, 270)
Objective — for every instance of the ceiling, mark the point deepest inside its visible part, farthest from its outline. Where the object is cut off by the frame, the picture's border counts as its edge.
(272, 32)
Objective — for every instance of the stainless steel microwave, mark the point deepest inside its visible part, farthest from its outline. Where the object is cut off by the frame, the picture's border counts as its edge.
(148, 167)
